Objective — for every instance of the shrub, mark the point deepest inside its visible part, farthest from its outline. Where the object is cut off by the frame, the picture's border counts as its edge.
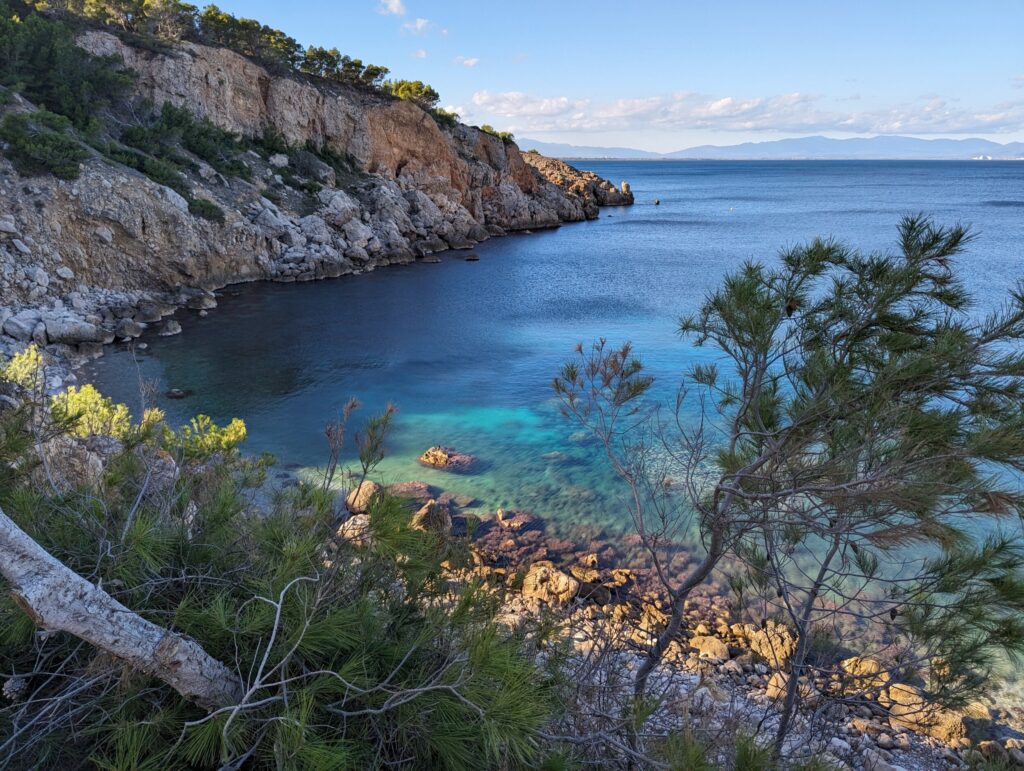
(36, 147)
(504, 136)
(202, 437)
(90, 413)
(444, 117)
(208, 210)
(38, 54)
(25, 369)
(413, 91)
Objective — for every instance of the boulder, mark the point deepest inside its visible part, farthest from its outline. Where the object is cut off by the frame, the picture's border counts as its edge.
(202, 302)
(356, 530)
(278, 160)
(911, 709)
(518, 521)
(432, 517)
(71, 330)
(21, 325)
(417, 491)
(128, 328)
(875, 761)
(170, 327)
(861, 674)
(545, 582)
(447, 459)
(710, 648)
(778, 684)
(358, 500)
(774, 643)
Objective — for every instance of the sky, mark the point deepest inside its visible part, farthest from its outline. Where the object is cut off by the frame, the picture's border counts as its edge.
(665, 76)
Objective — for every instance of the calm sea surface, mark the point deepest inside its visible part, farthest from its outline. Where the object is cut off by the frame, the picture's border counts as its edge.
(467, 350)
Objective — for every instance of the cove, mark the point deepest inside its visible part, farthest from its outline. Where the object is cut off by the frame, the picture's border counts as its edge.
(467, 350)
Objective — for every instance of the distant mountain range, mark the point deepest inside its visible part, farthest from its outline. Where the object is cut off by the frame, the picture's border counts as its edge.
(804, 148)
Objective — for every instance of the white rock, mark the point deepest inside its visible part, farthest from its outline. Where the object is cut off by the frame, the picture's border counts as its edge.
(839, 746)
(104, 234)
(278, 160)
(71, 329)
(21, 325)
(21, 246)
(65, 272)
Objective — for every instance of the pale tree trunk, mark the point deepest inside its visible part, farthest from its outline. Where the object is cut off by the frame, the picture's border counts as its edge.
(59, 599)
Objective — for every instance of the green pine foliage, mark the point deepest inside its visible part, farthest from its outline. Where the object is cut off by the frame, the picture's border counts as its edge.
(39, 58)
(504, 136)
(350, 657)
(42, 143)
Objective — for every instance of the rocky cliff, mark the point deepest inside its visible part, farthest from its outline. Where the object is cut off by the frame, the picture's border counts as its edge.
(100, 257)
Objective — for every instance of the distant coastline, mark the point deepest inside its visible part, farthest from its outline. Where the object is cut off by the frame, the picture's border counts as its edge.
(814, 148)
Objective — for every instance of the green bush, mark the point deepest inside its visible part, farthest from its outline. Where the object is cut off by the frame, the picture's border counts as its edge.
(39, 57)
(445, 118)
(208, 210)
(413, 91)
(41, 143)
(504, 136)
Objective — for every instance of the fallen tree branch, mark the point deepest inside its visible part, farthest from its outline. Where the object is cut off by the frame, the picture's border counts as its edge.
(58, 599)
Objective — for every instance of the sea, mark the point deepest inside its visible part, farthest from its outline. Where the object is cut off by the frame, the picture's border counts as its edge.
(467, 350)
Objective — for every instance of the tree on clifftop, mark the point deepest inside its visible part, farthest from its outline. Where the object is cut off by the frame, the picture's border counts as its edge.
(861, 434)
(414, 91)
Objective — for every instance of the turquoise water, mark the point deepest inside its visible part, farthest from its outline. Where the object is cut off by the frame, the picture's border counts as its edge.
(467, 350)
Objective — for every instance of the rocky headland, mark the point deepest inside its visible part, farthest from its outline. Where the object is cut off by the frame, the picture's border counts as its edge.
(105, 256)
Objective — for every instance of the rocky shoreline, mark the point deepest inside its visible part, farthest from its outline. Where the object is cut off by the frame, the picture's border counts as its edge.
(727, 674)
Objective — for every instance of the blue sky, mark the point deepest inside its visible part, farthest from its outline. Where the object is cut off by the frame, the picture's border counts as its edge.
(669, 75)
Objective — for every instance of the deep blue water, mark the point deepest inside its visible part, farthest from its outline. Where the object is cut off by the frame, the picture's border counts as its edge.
(467, 350)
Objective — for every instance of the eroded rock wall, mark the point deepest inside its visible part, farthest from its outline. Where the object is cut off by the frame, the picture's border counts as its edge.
(110, 252)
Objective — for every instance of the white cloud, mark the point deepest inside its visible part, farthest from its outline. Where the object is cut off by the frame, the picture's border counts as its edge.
(419, 53)
(467, 61)
(417, 26)
(391, 7)
(794, 112)
(513, 104)
(1018, 82)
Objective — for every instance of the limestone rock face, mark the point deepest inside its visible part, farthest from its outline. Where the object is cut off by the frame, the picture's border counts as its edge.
(588, 188)
(79, 257)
